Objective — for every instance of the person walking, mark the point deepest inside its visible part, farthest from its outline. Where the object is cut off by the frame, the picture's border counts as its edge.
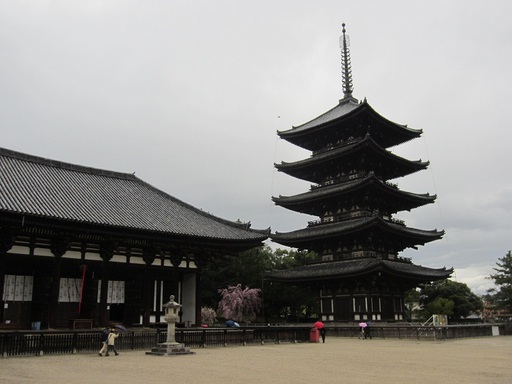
(321, 328)
(362, 330)
(367, 332)
(111, 341)
(104, 341)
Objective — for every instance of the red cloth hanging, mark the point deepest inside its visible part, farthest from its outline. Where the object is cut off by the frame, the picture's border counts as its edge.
(84, 269)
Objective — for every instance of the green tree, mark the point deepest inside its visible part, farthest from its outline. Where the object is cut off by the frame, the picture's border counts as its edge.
(464, 301)
(440, 306)
(281, 302)
(413, 311)
(501, 297)
(246, 268)
(285, 302)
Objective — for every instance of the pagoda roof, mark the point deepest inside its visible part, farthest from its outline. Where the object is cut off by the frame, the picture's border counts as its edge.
(306, 202)
(305, 168)
(359, 267)
(37, 187)
(302, 238)
(343, 109)
(384, 131)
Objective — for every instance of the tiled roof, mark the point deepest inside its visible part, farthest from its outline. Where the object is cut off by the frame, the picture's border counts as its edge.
(358, 267)
(35, 186)
(345, 120)
(401, 166)
(349, 226)
(332, 191)
(344, 108)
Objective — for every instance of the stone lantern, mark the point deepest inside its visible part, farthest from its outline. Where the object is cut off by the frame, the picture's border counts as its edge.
(171, 347)
(171, 317)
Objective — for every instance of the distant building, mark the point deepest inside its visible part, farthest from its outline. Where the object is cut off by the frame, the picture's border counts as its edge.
(78, 243)
(491, 315)
(359, 274)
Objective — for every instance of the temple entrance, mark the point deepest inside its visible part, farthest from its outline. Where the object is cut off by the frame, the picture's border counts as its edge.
(343, 309)
(116, 312)
(387, 308)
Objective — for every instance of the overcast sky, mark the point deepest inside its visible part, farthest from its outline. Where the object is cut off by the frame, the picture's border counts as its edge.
(189, 95)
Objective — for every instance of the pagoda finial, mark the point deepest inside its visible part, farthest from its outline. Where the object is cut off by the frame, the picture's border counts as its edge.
(346, 68)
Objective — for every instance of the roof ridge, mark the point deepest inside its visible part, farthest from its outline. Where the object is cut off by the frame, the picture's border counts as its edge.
(341, 103)
(64, 165)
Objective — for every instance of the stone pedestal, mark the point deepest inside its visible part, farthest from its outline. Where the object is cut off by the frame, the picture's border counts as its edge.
(165, 349)
(171, 347)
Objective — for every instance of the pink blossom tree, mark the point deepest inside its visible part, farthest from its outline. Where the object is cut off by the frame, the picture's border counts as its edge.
(240, 304)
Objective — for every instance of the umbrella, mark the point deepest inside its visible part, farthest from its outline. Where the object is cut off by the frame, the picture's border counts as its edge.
(363, 325)
(120, 327)
(318, 325)
(236, 324)
(230, 323)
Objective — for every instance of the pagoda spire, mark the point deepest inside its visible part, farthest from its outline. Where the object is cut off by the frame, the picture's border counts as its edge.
(346, 67)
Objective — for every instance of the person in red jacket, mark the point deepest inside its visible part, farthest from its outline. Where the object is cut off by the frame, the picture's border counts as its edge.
(321, 328)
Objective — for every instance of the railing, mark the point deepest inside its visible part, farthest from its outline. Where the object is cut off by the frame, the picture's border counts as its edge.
(422, 332)
(35, 343)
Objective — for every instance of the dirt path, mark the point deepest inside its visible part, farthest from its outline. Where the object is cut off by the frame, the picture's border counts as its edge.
(339, 360)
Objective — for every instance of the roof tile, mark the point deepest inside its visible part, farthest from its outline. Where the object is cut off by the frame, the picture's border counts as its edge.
(36, 186)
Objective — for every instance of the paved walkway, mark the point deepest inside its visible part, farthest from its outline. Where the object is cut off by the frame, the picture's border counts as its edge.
(339, 360)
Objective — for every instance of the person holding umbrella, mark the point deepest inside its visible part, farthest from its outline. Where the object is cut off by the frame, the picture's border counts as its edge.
(321, 328)
(362, 330)
(120, 327)
(111, 341)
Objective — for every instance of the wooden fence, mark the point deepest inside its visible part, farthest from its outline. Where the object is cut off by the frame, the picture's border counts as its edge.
(51, 342)
(424, 332)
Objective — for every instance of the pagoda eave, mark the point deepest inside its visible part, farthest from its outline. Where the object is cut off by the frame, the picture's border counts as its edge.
(303, 238)
(359, 267)
(307, 201)
(303, 135)
(364, 148)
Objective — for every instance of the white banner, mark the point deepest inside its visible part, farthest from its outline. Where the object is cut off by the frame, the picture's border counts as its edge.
(69, 290)
(115, 294)
(18, 288)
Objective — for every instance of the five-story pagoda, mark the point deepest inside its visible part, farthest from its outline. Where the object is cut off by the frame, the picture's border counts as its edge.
(359, 273)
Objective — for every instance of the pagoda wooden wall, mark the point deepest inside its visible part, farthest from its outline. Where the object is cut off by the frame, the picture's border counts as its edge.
(344, 301)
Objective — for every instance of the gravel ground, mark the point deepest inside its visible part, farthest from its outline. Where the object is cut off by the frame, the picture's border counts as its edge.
(339, 360)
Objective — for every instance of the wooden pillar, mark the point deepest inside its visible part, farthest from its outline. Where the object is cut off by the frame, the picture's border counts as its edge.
(2, 279)
(42, 272)
(107, 250)
(146, 297)
(199, 261)
(157, 295)
(89, 293)
(90, 287)
(103, 307)
(198, 298)
(176, 259)
(148, 254)
(6, 243)
(58, 246)
(53, 302)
